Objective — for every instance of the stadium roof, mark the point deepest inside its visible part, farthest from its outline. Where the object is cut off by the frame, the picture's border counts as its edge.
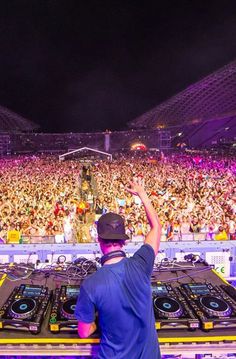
(11, 122)
(212, 97)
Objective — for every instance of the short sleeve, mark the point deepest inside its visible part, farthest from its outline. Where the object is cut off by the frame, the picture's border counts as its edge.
(145, 256)
(85, 309)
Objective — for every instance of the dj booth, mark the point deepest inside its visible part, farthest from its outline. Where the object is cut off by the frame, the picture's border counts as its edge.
(195, 307)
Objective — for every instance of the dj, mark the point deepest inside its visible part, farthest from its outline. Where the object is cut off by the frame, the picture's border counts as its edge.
(120, 291)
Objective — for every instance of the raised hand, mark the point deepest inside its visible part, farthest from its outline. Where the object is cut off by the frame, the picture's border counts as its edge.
(136, 186)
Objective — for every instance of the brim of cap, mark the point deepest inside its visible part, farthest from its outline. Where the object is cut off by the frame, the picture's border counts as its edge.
(115, 237)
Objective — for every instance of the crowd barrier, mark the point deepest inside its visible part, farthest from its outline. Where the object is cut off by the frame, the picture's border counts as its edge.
(221, 254)
(61, 238)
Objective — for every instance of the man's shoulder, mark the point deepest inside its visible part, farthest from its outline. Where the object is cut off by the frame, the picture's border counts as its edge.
(145, 250)
(144, 258)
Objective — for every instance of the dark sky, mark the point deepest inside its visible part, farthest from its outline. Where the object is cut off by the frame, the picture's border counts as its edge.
(90, 65)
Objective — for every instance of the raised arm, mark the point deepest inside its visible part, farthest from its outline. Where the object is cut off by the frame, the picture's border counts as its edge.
(154, 236)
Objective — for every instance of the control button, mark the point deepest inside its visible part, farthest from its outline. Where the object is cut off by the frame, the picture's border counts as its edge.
(208, 325)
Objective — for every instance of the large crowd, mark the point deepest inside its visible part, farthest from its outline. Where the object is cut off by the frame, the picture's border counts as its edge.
(38, 196)
(195, 197)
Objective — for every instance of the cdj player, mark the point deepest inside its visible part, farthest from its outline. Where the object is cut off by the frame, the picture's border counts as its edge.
(214, 307)
(171, 309)
(62, 316)
(25, 308)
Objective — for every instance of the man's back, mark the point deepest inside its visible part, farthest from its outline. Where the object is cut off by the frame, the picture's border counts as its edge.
(121, 294)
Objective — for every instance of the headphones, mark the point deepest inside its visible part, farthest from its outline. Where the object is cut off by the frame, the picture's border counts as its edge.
(114, 254)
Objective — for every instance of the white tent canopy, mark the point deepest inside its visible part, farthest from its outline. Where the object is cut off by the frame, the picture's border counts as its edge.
(64, 155)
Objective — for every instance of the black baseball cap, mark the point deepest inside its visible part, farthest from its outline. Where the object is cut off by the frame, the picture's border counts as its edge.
(111, 226)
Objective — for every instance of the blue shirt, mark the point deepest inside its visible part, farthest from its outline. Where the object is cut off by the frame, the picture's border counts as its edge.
(121, 293)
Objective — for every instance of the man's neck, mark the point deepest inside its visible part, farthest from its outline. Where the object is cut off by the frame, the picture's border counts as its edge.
(113, 256)
(113, 260)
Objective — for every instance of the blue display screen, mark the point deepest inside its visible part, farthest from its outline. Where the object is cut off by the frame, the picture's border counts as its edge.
(72, 291)
(159, 289)
(199, 289)
(32, 291)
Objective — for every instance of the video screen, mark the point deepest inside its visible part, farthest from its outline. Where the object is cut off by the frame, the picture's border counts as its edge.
(159, 289)
(32, 291)
(72, 291)
(199, 289)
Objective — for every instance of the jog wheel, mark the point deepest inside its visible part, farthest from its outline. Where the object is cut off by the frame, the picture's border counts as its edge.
(215, 306)
(68, 308)
(23, 308)
(168, 307)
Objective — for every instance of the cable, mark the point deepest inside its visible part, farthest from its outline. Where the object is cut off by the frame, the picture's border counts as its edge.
(177, 278)
(193, 280)
(66, 271)
(82, 267)
(167, 264)
(184, 276)
(61, 259)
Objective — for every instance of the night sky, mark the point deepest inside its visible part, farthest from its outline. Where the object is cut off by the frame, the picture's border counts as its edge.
(93, 65)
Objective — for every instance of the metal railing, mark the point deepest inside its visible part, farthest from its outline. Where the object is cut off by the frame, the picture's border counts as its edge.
(60, 238)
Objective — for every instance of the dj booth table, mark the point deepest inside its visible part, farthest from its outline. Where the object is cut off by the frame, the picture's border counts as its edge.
(191, 344)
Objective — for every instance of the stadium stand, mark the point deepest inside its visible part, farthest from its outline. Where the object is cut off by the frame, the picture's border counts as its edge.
(202, 115)
(12, 122)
